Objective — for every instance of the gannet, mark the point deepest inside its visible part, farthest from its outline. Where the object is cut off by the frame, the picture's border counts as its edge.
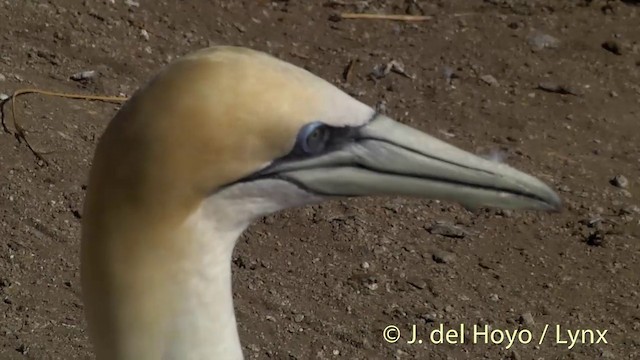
(217, 139)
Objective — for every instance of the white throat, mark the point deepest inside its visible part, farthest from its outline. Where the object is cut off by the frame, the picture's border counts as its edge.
(204, 326)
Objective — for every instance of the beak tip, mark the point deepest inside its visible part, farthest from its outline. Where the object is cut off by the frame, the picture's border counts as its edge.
(553, 202)
(557, 207)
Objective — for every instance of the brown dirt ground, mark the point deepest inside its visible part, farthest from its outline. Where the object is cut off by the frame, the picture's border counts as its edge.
(302, 288)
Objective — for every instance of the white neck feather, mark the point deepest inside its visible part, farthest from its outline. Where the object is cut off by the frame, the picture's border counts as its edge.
(205, 324)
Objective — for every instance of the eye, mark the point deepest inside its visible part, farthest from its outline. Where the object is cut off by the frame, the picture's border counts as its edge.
(313, 138)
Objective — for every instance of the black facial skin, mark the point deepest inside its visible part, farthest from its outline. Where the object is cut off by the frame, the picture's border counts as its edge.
(314, 139)
(317, 138)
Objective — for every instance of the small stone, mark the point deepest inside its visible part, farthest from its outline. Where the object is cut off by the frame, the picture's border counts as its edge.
(489, 80)
(504, 213)
(371, 286)
(494, 297)
(84, 75)
(3, 97)
(132, 3)
(447, 230)
(526, 319)
(395, 66)
(539, 41)
(22, 349)
(2, 77)
(606, 354)
(613, 47)
(239, 27)
(298, 318)
(596, 239)
(430, 317)
(619, 181)
(630, 210)
(417, 283)
(145, 34)
(443, 257)
(365, 265)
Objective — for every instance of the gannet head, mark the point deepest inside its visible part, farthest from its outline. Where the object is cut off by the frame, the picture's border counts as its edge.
(233, 134)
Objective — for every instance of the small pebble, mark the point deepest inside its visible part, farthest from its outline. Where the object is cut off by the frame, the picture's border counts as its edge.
(3, 97)
(417, 283)
(526, 319)
(443, 257)
(612, 46)
(447, 230)
(629, 210)
(2, 77)
(395, 66)
(84, 75)
(504, 213)
(596, 239)
(371, 286)
(23, 349)
(619, 181)
(431, 317)
(539, 41)
(489, 80)
(145, 34)
(606, 354)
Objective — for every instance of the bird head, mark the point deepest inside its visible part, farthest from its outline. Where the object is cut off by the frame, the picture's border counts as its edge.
(232, 134)
(229, 117)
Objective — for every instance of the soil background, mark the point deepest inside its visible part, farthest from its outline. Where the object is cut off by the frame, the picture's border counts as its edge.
(550, 87)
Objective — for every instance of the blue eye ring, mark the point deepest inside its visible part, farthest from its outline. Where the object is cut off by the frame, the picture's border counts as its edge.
(313, 137)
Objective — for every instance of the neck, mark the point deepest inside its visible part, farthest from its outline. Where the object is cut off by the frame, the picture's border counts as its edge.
(170, 299)
(204, 323)
(159, 291)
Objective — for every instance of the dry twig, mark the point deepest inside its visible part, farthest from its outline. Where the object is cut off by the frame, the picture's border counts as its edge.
(20, 133)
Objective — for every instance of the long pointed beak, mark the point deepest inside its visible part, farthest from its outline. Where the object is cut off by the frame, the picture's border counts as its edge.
(389, 158)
